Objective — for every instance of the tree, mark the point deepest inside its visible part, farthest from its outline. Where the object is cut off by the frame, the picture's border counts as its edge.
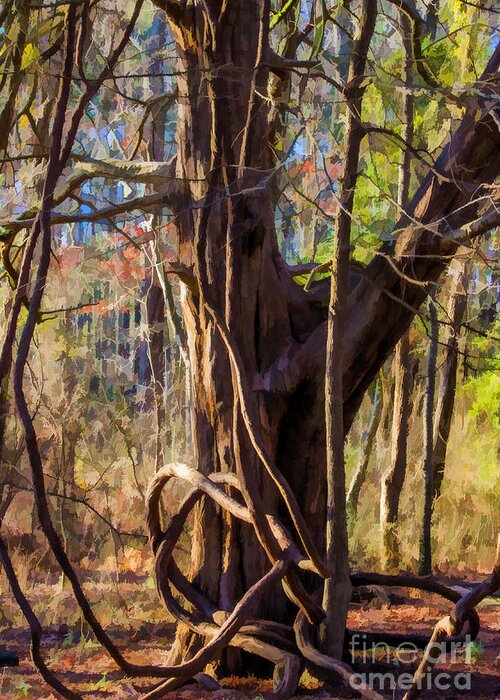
(258, 340)
(448, 373)
(393, 478)
(425, 554)
(369, 435)
(338, 590)
(243, 303)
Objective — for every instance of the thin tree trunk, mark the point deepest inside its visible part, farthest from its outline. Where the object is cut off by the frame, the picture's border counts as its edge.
(7, 111)
(359, 476)
(393, 479)
(155, 312)
(70, 523)
(448, 381)
(155, 301)
(387, 401)
(337, 588)
(407, 132)
(425, 554)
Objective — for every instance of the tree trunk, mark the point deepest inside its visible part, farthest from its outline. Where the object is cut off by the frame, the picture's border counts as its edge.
(155, 301)
(232, 271)
(448, 382)
(230, 244)
(368, 438)
(155, 312)
(425, 555)
(337, 588)
(387, 401)
(393, 479)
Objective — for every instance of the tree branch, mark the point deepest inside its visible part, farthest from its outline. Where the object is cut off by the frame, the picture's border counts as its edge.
(452, 625)
(111, 169)
(411, 11)
(144, 203)
(174, 9)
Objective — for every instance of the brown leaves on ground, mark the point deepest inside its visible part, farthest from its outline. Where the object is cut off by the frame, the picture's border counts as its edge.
(81, 663)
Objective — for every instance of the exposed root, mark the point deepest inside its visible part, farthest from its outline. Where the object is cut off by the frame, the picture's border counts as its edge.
(269, 640)
(452, 625)
(422, 583)
(303, 635)
(223, 628)
(286, 676)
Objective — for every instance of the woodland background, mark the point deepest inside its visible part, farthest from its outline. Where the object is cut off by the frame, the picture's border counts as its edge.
(107, 376)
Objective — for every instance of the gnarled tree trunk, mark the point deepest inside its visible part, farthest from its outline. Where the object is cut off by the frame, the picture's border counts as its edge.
(232, 270)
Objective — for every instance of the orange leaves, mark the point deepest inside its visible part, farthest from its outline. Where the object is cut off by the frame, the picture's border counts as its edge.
(126, 263)
(69, 258)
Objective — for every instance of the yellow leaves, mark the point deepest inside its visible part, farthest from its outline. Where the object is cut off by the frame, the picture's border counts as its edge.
(80, 474)
(31, 53)
(23, 122)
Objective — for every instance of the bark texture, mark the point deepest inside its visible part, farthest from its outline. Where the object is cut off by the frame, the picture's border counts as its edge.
(231, 264)
(448, 373)
(369, 435)
(393, 478)
(337, 588)
(425, 554)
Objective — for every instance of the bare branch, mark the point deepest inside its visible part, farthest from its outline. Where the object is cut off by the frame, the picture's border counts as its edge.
(452, 625)
(144, 203)
(475, 228)
(411, 11)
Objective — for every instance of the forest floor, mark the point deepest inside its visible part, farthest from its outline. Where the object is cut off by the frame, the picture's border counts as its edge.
(81, 664)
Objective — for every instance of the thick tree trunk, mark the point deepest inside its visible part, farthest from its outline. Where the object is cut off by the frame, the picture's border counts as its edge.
(230, 264)
(230, 243)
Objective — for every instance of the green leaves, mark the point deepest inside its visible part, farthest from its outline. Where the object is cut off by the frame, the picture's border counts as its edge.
(319, 32)
(101, 684)
(277, 17)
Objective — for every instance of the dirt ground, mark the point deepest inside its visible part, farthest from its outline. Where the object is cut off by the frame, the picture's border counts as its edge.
(81, 664)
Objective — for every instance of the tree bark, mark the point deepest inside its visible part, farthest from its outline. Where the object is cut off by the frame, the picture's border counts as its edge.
(155, 313)
(155, 302)
(227, 244)
(448, 380)
(393, 479)
(337, 588)
(425, 554)
(387, 401)
(368, 438)
(230, 244)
